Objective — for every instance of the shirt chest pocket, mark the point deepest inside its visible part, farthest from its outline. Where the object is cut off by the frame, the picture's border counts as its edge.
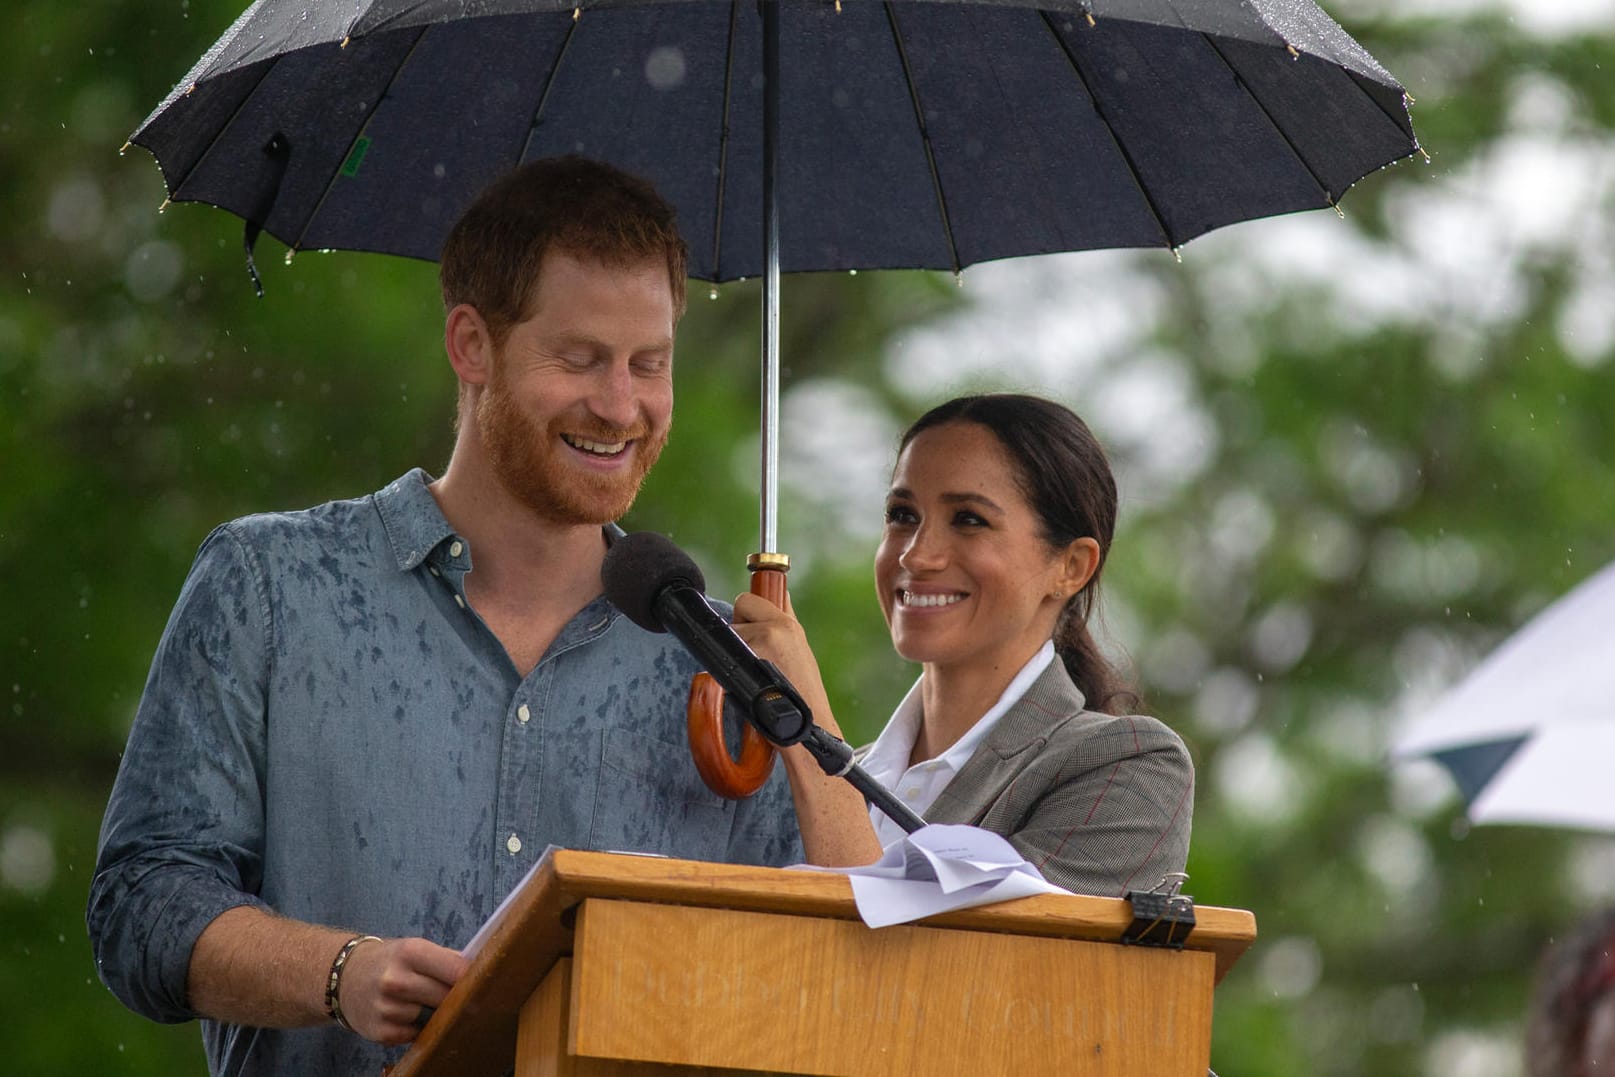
(650, 799)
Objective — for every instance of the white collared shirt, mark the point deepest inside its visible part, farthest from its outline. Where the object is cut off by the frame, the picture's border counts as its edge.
(919, 786)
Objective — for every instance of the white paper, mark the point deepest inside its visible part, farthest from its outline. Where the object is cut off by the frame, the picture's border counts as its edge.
(938, 868)
(487, 927)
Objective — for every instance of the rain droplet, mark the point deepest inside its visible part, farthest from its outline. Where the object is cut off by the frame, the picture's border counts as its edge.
(665, 67)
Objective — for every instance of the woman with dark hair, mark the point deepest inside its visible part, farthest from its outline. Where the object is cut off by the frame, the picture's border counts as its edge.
(998, 522)
(1570, 1031)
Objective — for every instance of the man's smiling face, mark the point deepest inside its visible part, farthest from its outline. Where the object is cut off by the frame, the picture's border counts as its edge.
(580, 398)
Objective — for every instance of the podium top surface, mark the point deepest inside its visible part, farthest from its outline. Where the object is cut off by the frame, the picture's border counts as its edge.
(474, 1030)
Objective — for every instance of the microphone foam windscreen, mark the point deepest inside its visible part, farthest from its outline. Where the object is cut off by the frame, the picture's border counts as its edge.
(638, 567)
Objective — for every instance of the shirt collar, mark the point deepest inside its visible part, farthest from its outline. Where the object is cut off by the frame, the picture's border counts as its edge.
(887, 758)
(414, 522)
(961, 749)
(890, 753)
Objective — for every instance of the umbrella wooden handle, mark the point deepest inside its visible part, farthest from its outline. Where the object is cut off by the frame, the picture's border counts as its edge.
(725, 775)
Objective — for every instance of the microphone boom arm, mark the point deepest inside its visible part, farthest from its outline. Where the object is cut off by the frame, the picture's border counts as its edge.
(659, 588)
(835, 758)
(771, 703)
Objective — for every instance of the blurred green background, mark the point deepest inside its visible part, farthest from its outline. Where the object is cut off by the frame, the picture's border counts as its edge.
(1354, 455)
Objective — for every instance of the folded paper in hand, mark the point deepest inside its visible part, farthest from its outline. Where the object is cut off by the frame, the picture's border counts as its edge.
(941, 867)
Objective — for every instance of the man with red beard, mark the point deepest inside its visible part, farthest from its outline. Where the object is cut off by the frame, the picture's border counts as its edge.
(365, 721)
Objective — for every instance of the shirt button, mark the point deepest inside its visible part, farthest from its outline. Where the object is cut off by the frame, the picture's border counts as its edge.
(459, 601)
(523, 714)
(456, 548)
(514, 844)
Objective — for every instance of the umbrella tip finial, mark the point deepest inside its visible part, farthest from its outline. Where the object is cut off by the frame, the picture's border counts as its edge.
(1177, 255)
(190, 89)
(1424, 153)
(577, 13)
(958, 278)
(1291, 49)
(123, 149)
(838, 7)
(1089, 16)
(345, 40)
(1338, 211)
(164, 207)
(290, 254)
(712, 293)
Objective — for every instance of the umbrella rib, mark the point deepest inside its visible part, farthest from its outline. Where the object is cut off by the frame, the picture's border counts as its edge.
(330, 182)
(723, 144)
(1110, 129)
(1396, 121)
(544, 98)
(1356, 78)
(1328, 195)
(225, 126)
(925, 137)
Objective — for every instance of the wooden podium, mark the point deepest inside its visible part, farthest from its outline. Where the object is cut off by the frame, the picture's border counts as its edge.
(611, 965)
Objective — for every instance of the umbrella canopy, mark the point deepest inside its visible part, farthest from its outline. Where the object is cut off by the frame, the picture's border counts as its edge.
(1528, 735)
(912, 134)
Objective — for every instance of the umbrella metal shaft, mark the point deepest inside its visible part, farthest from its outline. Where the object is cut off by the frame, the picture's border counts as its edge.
(770, 387)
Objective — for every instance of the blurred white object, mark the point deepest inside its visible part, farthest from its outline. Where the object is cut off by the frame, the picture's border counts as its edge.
(1529, 734)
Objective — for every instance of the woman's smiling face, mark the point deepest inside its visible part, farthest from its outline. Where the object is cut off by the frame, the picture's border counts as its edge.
(964, 575)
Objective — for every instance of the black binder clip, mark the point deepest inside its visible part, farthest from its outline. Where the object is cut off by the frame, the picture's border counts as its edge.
(1161, 916)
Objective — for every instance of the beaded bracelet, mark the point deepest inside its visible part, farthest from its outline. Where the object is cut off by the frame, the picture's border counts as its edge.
(333, 984)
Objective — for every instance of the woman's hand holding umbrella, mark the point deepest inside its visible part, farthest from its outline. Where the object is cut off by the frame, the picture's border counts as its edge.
(836, 830)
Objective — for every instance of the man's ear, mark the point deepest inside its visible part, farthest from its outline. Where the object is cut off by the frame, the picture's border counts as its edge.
(1078, 562)
(469, 345)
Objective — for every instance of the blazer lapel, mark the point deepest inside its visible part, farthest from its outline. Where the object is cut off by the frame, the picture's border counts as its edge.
(1013, 743)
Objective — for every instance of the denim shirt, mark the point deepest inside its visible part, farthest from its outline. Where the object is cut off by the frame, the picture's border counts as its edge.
(330, 731)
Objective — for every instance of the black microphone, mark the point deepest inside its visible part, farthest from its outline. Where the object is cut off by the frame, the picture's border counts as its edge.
(659, 587)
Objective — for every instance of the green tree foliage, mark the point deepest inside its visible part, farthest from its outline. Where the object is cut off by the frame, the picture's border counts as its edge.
(1371, 471)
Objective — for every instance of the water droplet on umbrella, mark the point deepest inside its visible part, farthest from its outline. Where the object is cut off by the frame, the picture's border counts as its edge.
(665, 67)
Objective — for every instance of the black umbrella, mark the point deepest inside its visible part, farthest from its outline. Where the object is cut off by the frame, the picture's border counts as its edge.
(910, 134)
(903, 134)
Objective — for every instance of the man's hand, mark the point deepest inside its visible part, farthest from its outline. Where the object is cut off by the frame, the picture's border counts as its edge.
(387, 985)
(253, 968)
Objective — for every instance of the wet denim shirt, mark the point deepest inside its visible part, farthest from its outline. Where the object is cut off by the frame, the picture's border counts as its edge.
(329, 731)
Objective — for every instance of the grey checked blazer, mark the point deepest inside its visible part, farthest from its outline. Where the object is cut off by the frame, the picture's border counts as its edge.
(1100, 803)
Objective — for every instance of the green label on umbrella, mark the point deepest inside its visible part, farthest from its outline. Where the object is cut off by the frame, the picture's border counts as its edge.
(350, 167)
